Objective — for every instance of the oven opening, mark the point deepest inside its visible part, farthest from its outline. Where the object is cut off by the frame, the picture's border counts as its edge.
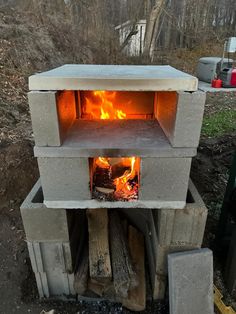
(115, 179)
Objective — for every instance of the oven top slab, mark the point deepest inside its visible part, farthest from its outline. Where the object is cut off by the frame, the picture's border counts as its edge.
(114, 77)
(117, 138)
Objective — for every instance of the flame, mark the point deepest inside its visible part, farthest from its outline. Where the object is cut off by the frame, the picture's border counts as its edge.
(100, 106)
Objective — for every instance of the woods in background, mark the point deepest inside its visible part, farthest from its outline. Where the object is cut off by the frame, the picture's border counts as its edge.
(84, 30)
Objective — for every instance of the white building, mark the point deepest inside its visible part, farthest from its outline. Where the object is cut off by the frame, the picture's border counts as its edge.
(136, 42)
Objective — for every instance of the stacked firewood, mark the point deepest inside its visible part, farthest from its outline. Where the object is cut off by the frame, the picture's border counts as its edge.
(112, 264)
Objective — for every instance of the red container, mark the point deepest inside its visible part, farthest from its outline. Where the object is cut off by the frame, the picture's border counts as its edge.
(233, 78)
(216, 83)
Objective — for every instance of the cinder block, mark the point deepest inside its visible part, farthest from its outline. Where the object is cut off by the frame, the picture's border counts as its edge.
(191, 282)
(181, 117)
(52, 266)
(182, 226)
(42, 223)
(65, 179)
(52, 113)
(164, 179)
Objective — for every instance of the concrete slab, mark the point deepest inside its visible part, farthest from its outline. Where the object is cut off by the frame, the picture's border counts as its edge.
(191, 282)
(42, 223)
(206, 87)
(87, 138)
(113, 77)
(181, 120)
(182, 226)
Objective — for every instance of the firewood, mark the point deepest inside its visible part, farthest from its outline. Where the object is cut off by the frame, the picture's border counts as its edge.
(81, 276)
(99, 255)
(136, 300)
(96, 287)
(124, 276)
(104, 190)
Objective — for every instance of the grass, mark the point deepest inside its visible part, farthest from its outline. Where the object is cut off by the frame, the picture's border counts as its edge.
(219, 123)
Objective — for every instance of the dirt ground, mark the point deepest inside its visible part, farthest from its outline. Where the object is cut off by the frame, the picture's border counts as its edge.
(18, 172)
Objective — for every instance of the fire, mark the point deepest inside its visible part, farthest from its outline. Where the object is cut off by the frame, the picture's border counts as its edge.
(101, 106)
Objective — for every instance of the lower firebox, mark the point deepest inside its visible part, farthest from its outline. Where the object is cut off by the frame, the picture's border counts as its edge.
(53, 237)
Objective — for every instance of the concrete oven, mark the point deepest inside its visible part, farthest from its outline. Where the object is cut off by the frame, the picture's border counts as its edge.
(114, 137)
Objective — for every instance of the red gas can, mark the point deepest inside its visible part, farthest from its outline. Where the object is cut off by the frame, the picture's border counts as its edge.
(216, 83)
(233, 78)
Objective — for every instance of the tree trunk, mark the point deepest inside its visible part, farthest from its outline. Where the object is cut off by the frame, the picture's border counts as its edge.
(152, 28)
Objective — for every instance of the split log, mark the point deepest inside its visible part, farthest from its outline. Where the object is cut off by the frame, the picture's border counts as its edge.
(96, 287)
(81, 276)
(99, 255)
(124, 276)
(136, 300)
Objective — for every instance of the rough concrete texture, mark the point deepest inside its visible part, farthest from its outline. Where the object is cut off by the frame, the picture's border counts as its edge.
(52, 114)
(230, 269)
(52, 266)
(191, 282)
(42, 223)
(181, 119)
(65, 183)
(65, 179)
(164, 178)
(182, 226)
(113, 77)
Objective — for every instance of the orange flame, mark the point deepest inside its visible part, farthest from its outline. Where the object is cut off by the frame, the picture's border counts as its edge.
(101, 106)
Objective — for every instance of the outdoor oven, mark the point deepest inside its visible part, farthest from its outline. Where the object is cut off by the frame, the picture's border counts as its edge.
(112, 137)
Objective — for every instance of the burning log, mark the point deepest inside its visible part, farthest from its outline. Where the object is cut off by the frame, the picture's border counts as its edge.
(124, 276)
(99, 256)
(136, 300)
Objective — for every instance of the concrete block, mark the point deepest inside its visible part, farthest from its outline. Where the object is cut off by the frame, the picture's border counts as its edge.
(42, 223)
(191, 282)
(181, 117)
(164, 179)
(182, 226)
(113, 77)
(52, 113)
(65, 179)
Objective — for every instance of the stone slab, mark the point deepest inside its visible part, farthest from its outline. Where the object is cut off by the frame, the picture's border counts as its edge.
(113, 77)
(182, 226)
(42, 223)
(182, 120)
(191, 282)
(87, 138)
(206, 87)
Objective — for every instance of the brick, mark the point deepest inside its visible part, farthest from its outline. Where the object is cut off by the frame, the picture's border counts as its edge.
(191, 282)
(182, 226)
(52, 113)
(42, 223)
(181, 117)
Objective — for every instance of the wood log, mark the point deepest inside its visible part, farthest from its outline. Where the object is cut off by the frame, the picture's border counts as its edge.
(124, 276)
(99, 255)
(96, 287)
(81, 276)
(136, 300)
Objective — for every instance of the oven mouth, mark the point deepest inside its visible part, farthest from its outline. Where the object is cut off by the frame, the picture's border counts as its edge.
(114, 179)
